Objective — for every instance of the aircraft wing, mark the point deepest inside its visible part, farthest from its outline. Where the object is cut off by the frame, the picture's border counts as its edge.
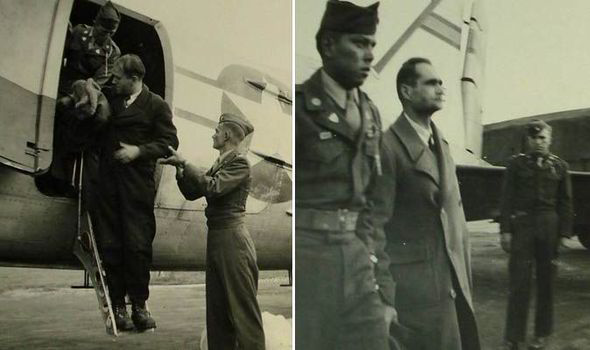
(481, 188)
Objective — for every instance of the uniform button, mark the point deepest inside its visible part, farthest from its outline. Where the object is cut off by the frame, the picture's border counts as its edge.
(316, 102)
(376, 287)
(373, 258)
(452, 293)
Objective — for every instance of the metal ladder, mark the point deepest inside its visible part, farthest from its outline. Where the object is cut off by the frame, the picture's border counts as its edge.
(86, 251)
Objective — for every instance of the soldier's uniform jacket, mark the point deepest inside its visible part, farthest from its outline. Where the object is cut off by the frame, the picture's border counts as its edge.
(534, 186)
(86, 59)
(225, 185)
(335, 165)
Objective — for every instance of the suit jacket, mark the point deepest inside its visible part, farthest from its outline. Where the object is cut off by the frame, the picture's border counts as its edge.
(146, 123)
(225, 185)
(418, 203)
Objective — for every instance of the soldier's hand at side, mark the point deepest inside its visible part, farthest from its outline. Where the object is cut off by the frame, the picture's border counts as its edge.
(505, 241)
(127, 153)
(390, 315)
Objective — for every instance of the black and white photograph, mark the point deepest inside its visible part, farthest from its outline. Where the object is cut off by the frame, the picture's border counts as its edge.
(146, 174)
(441, 176)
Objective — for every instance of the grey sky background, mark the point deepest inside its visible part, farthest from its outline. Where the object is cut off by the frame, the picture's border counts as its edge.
(538, 57)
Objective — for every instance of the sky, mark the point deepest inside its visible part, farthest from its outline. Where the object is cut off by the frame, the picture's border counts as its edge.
(538, 57)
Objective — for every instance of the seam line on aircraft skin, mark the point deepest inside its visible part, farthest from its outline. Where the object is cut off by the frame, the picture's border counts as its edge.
(190, 74)
(446, 22)
(441, 37)
(405, 35)
(184, 114)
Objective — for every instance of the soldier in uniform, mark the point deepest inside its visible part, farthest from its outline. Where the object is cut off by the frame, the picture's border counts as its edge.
(343, 295)
(536, 210)
(138, 133)
(90, 51)
(89, 55)
(233, 315)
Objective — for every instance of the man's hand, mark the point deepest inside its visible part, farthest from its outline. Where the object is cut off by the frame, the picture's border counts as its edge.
(505, 241)
(127, 153)
(175, 159)
(390, 315)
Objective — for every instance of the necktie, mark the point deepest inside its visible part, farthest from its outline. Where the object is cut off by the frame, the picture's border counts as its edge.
(126, 102)
(353, 115)
(540, 162)
(431, 144)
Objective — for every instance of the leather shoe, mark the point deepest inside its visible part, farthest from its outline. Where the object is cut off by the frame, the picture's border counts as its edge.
(538, 343)
(510, 345)
(142, 318)
(122, 319)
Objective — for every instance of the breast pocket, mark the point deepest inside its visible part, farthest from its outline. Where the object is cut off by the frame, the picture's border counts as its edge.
(324, 151)
(413, 272)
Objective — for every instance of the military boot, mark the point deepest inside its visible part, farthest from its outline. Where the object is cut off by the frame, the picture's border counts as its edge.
(538, 343)
(142, 318)
(122, 319)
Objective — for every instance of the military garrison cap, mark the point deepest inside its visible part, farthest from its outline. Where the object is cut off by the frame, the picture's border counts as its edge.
(346, 17)
(535, 126)
(108, 16)
(241, 122)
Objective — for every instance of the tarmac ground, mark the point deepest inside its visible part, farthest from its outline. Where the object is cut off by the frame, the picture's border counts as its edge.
(40, 310)
(490, 284)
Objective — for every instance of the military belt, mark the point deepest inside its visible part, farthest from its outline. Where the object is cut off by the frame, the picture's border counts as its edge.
(340, 220)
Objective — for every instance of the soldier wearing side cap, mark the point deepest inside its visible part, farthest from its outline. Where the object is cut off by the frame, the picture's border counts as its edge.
(233, 315)
(90, 50)
(536, 210)
(344, 292)
(89, 55)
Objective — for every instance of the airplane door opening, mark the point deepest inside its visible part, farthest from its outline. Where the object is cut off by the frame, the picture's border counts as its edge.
(136, 34)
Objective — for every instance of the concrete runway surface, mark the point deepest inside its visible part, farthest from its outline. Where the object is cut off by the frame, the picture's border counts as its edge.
(39, 310)
(490, 280)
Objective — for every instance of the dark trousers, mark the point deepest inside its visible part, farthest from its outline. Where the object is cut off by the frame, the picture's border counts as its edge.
(126, 227)
(335, 297)
(233, 316)
(534, 242)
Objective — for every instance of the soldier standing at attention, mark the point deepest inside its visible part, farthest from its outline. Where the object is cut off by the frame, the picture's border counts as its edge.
(233, 315)
(536, 210)
(344, 291)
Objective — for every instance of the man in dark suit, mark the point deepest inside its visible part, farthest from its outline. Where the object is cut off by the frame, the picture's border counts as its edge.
(343, 299)
(139, 132)
(418, 202)
(233, 314)
(536, 211)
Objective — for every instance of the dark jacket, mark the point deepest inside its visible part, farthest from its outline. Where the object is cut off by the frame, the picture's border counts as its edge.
(146, 123)
(334, 167)
(86, 59)
(530, 189)
(226, 186)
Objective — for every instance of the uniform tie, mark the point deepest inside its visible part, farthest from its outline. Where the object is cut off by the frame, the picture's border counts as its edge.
(431, 144)
(540, 162)
(353, 116)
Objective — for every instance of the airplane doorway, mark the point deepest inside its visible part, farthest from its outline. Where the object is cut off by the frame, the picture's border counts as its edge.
(137, 34)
